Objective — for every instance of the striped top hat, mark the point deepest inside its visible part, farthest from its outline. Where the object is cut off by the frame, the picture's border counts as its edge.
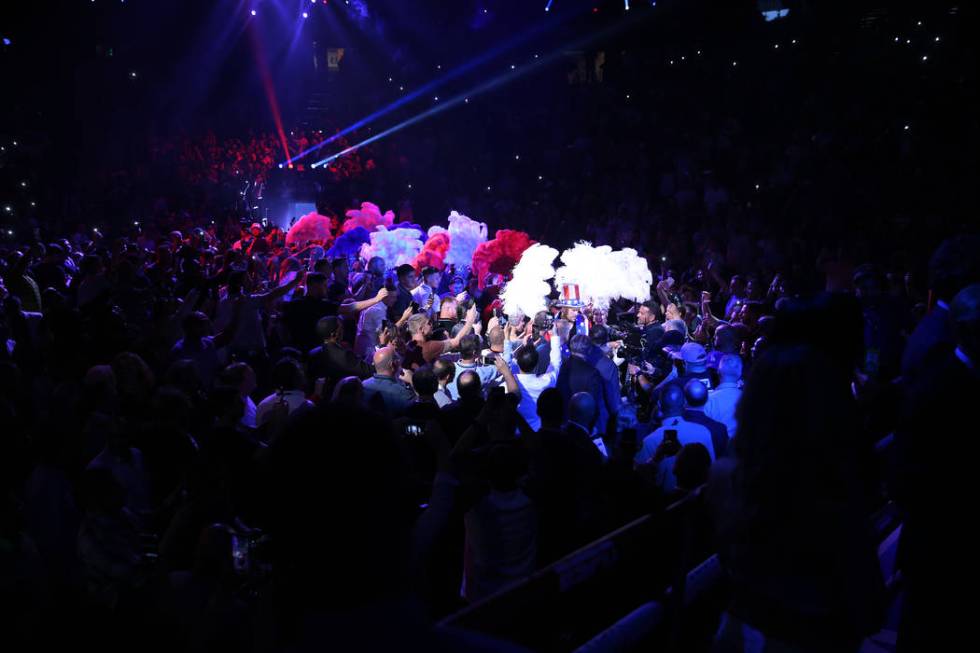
(570, 296)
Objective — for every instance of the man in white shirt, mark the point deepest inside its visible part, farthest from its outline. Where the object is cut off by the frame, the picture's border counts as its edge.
(249, 335)
(290, 380)
(369, 323)
(723, 400)
(532, 385)
(672, 406)
(427, 291)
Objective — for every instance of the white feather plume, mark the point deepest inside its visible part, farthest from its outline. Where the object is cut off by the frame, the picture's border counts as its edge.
(395, 246)
(635, 277)
(526, 292)
(604, 275)
(464, 236)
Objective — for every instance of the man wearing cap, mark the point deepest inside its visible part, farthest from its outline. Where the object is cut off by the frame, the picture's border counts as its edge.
(695, 361)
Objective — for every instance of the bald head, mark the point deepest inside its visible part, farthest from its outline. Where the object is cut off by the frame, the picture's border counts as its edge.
(384, 361)
(730, 368)
(672, 400)
(695, 393)
(582, 409)
(469, 385)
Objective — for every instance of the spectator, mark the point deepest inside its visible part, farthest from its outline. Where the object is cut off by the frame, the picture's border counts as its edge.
(531, 384)
(469, 351)
(408, 281)
(445, 372)
(723, 400)
(933, 490)
(242, 377)
(387, 389)
(370, 323)
(290, 381)
(424, 408)
(696, 396)
(789, 514)
(952, 267)
(501, 529)
(333, 361)
(578, 375)
(678, 429)
(428, 348)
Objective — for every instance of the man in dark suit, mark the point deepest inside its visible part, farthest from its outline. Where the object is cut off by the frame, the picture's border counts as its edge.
(408, 280)
(953, 266)
(331, 360)
(564, 472)
(696, 396)
(577, 374)
(936, 451)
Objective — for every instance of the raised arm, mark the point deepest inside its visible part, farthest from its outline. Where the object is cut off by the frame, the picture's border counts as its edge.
(465, 331)
(510, 383)
(281, 291)
(350, 307)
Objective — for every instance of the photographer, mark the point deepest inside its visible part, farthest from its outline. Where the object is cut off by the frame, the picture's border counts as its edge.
(469, 352)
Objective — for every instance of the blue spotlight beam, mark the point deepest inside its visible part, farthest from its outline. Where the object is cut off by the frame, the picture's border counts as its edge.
(427, 88)
(478, 90)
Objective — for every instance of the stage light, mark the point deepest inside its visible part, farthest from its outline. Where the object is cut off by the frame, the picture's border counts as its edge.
(626, 4)
(9, 208)
(671, 62)
(512, 66)
(23, 184)
(925, 57)
(757, 186)
(919, 23)
(436, 98)
(699, 53)
(906, 127)
(132, 75)
(540, 177)
(488, 188)
(280, 166)
(908, 41)
(253, 12)
(305, 15)
(776, 46)
(897, 39)
(401, 88)
(517, 157)
(466, 101)
(734, 63)
(439, 66)
(409, 187)
(6, 41)
(627, 96)
(683, 58)
(547, 7)
(33, 203)
(793, 41)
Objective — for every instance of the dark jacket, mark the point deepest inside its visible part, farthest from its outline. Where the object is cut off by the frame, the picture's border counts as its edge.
(333, 362)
